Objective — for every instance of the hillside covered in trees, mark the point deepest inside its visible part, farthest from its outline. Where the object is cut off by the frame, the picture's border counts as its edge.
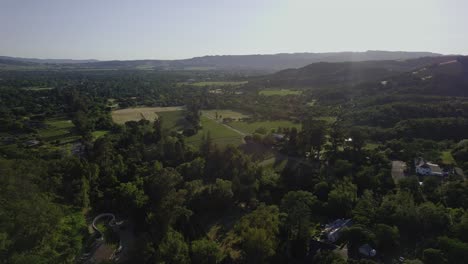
(336, 182)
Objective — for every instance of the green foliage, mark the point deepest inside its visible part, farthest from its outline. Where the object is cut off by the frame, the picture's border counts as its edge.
(328, 258)
(454, 250)
(433, 256)
(205, 251)
(173, 249)
(342, 198)
(258, 232)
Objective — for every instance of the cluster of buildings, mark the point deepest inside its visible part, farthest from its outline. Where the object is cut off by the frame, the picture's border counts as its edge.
(422, 168)
(331, 234)
(425, 168)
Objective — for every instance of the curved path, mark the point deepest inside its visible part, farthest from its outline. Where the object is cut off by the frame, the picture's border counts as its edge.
(111, 222)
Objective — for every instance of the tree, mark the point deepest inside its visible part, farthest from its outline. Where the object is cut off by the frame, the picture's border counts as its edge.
(342, 168)
(314, 136)
(461, 229)
(434, 218)
(355, 236)
(336, 135)
(299, 208)
(166, 201)
(206, 145)
(358, 139)
(173, 249)
(365, 212)
(433, 256)
(387, 240)
(328, 257)
(205, 251)
(258, 233)
(342, 199)
(157, 127)
(321, 190)
(454, 250)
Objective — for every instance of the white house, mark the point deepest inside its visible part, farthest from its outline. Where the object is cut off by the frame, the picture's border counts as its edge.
(426, 168)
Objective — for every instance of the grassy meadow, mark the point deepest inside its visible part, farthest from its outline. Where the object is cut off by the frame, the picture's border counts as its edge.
(279, 92)
(214, 83)
(224, 113)
(250, 127)
(221, 135)
(121, 116)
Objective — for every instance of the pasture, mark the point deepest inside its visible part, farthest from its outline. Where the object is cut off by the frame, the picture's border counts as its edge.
(214, 83)
(173, 120)
(58, 129)
(250, 127)
(121, 116)
(224, 113)
(447, 158)
(220, 134)
(279, 92)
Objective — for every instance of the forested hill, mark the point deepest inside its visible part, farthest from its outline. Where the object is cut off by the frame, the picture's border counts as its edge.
(350, 73)
(257, 63)
(449, 78)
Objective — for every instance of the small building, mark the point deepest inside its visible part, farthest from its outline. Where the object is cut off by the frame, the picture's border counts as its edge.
(427, 168)
(333, 230)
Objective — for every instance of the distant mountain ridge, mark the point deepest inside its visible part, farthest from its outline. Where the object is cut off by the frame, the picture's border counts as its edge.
(266, 63)
(53, 61)
(349, 73)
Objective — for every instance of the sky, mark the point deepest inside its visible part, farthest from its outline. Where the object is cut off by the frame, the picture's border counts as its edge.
(177, 29)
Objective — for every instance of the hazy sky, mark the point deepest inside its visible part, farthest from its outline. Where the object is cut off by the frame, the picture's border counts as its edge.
(152, 29)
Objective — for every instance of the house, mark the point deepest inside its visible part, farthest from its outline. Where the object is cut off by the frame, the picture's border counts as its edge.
(333, 230)
(427, 168)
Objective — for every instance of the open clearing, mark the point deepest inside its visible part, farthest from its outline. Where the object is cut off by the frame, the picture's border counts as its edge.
(135, 114)
(173, 120)
(447, 158)
(328, 119)
(58, 129)
(250, 127)
(280, 92)
(37, 88)
(221, 135)
(213, 83)
(224, 113)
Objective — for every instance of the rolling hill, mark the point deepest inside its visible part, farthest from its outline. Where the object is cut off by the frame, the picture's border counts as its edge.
(257, 63)
(348, 73)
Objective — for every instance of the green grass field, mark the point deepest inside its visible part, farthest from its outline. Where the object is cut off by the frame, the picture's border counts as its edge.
(221, 135)
(99, 133)
(447, 158)
(58, 129)
(215, 83)
(250, 127)
(37, 88)
(224, 113)
(280, 92)
(328, 119)
(173, 120)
